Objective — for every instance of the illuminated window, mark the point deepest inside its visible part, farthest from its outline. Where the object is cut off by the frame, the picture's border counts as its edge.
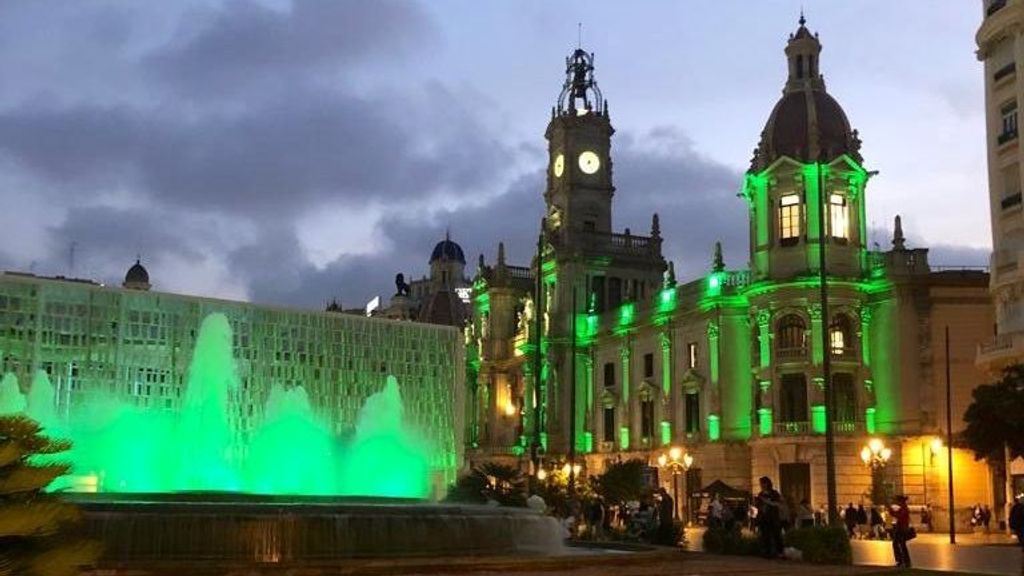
(841, 335)
(789, 219)
(691, 355)
(839, 216)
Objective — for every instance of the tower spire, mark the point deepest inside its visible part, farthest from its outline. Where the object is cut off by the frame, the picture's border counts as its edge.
(580, 94)
(898, 241)
(717, 262)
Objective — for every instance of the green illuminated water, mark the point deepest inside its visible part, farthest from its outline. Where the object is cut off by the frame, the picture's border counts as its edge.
(118, 447)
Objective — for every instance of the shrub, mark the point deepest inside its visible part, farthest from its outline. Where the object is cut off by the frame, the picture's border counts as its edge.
(821, 544)
(732, 542)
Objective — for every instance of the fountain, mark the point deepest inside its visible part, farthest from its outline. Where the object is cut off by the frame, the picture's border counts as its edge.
(189, 484)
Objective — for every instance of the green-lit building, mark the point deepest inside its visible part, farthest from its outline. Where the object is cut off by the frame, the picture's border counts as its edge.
(729, 366)
(135, 344)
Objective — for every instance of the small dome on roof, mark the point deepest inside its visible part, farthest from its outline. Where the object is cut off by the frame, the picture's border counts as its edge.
(448, 250)
(137, 277)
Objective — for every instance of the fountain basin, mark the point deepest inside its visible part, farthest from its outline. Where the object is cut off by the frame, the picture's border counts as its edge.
(257, 529)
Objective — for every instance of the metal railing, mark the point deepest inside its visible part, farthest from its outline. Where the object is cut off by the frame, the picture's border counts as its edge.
(792, 428)
(791, 353)
(1000, 342)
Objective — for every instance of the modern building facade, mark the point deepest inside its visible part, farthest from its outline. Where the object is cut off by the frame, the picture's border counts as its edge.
(1000, 43)
(135, 345)
(728, 366)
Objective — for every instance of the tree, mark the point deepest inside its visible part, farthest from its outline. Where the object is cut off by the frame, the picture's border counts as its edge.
(34, 524)
(504, 484)
(621, 482)
(994, 420)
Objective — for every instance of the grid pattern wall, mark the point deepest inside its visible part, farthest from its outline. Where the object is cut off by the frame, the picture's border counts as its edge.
(137, 346)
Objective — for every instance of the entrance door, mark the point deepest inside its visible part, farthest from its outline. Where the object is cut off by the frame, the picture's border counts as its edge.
(795, 483)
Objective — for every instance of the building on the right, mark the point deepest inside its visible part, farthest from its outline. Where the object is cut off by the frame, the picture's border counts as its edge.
(1000, 40)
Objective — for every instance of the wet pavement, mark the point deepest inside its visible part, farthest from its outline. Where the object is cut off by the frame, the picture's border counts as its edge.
(934, 554)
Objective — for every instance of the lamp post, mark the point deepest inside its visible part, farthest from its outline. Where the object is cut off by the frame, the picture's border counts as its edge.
(677, 461)
(875, 454)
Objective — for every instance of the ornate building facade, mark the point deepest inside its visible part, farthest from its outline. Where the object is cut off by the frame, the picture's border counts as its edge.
(1000, 41)
(728, 366)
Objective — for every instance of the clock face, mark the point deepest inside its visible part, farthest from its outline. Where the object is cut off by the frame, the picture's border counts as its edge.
(559, 165)
(589, 162)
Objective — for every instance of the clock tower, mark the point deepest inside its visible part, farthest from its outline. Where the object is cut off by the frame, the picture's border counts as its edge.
(579, 184)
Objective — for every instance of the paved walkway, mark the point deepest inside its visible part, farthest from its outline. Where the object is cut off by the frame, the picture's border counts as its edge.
(929, 554)
(660, 563)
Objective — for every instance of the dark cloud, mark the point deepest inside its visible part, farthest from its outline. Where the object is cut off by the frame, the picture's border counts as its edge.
(243, 47)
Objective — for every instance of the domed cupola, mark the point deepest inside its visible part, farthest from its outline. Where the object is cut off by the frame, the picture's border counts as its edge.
(807, 124)
(448, 250)
(137, 277)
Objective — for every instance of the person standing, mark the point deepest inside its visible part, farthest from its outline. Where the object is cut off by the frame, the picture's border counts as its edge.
(769, 521)
(850, 520)
(1016, 521)
(666, 522)
(901, 531)
(715, 512)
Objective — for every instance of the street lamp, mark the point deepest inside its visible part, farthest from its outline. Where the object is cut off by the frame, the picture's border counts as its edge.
(875, 454)
(677, 461)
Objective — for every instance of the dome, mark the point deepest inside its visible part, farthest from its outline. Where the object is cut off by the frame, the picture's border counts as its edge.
(808, 125)
(448, 250)
(137, 277)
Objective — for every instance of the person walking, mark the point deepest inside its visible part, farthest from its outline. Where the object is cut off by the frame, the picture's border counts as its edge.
(1016, 521)
(769, 521)
(850, 520)
(901, 531)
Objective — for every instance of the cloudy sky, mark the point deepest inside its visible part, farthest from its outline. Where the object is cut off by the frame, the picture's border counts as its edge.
(294, 151)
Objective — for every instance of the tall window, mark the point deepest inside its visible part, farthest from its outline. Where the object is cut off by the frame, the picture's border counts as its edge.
(691, 355)
(839, 216)
(845, 397)
(1009, 115)
(793, 398)
(647, 418)
(649, 365)
(614, 292)
(692, 413)
(792, 336)
(789, 219)
(609, 375)
(840, 334)
(609, 424)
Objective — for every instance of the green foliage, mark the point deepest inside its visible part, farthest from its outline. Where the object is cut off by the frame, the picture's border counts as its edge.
(993, 418)
(731, 542)
(36, 536)
(621, 482)
(821, 544)
(504, 484)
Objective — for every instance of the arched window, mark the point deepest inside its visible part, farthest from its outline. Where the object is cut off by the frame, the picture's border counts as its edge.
(791, 337)
(840, 335)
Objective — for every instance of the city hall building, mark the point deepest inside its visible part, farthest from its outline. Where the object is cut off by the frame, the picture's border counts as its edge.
(728, 366)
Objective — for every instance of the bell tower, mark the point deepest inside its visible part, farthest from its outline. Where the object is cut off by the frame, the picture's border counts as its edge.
(579, 185)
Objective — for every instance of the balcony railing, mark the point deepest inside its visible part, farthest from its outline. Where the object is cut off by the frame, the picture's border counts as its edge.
(1011, 201)
(1001, 342)
(994, 7)
(847, 354)
(1008, 136)
(1004, 72)
(791, 353)
(792, 428)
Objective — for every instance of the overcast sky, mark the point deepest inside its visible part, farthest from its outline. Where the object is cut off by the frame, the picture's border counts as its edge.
(294, 151)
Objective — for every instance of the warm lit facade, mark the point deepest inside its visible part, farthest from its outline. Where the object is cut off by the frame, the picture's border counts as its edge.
(1000, 42)
(135, 345)
(729, 365)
